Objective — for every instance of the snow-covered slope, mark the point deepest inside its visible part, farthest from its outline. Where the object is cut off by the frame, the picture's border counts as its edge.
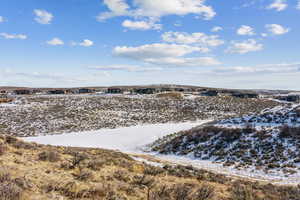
(269, 118)
(268, 142)
(78, 113)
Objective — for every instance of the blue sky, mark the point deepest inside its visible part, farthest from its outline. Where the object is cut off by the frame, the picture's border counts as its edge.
(230, 44)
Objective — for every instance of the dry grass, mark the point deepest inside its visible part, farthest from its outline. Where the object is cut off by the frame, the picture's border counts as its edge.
(33, 172)
(5, 100)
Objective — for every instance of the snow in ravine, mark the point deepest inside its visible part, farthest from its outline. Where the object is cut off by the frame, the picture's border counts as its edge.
(127, 139)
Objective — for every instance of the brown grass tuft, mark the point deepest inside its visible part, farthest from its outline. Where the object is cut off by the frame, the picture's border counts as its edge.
(50, 156)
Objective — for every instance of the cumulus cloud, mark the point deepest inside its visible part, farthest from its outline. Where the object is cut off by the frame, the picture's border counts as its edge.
(261, 69)
(13, 36)
(246, 46)
(156, 8)
(166, 54)
(1, 19)
(141, 25)
(42, 16)
(277, 29)
(216, 29)
(84, 43)
(200, 39)
(116, 7)
(245, 30)
(278, 5)
(55, 42)
(156, 50)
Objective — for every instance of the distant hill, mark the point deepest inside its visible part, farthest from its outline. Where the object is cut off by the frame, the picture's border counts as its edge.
(258, 91)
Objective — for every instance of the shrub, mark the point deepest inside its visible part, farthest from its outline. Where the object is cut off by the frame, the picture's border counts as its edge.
(182, 191)
(10, 191)
(143, 180)
(170, 95)
(4, 175)
(23, 145)
(10, 140)
(122, 175)
(153, 171)
(23, 183)
(205, 192)
(99, 190)
(78, 158)
(96, 164)
(66, 165)
(3, 149)
(242, 192)
(84, 175)
(289, 132)
(162, 192)
(50, 156)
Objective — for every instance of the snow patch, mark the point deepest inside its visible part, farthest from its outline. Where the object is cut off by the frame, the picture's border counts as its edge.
(127, 139)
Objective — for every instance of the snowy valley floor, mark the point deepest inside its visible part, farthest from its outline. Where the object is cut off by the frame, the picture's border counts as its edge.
(133, 140)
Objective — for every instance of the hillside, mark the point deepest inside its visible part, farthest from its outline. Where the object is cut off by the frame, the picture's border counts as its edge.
(31, 171)
(48, 114)
(268, 142)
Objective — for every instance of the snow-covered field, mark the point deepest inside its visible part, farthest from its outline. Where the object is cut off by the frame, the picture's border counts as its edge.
(127, 139)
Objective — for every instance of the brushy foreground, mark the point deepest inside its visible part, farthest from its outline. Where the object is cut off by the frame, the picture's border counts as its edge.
(32, 171)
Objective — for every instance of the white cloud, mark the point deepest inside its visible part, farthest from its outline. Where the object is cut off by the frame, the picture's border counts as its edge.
(42, 16)
(277, 29)
(216, 29)
(1, 19)
(13, 36)
(84, 43)
(278, 5)
(156, 50)
(178, 24)
(30, 77)
(184, 62)
(128, 68)
(243, 47)
(261, 69)
(116, 7)
(298, 5)
(156, 8)
(166, 54)
(141, 25)
(55, 42)
(264, 34)
(245, 30)
(200, 39)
